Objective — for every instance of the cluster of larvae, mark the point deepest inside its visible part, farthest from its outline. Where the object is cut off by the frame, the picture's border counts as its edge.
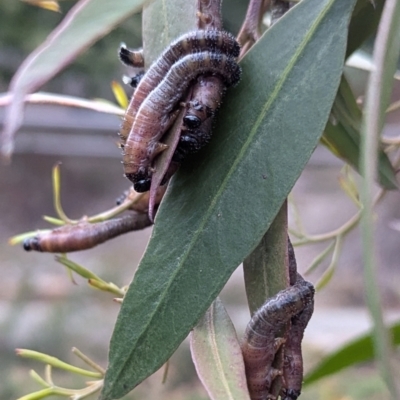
(155, 102)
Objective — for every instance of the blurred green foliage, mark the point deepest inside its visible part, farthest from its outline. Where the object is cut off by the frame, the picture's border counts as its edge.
(23, 27)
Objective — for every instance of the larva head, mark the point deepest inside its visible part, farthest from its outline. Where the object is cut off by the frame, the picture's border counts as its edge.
(31, 244)
(191, 121)
(141, 181)
(142, 185)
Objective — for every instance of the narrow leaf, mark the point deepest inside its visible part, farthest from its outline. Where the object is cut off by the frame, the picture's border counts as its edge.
(87, 21)
(223, 200)
(164, 21)
(357, 351)
(343, 138)
(364, 22)
(217, 355)
(379, 89)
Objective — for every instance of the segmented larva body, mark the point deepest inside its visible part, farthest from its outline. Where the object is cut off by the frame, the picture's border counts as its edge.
(191, 42)
(260, 344)
(206, 96)
(85, 235)
(153, 117)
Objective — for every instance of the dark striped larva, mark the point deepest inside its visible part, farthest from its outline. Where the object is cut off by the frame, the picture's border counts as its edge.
(85, 235)
(196, 41)
(260, 343)
(154, 115)
(206, 96)
(206, 99)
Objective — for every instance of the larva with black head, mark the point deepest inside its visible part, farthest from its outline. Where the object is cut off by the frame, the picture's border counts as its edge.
(85, 235)
(191, 42)
(206, 99)
(154, 115)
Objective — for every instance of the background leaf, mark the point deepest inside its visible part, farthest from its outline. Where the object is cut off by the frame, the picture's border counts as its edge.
(342, 135)
(217, 355)
(379, 89)
(357, 351)
(364, 22)
(87, 21)
(222, 201)
(164, 21)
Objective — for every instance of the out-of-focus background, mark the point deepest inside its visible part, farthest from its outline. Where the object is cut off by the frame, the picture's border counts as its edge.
(41, 309)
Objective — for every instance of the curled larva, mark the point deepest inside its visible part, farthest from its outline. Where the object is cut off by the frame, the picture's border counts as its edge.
(154, 115)
(191, 42)
(206, 95)
(260, 344)
(85, 235)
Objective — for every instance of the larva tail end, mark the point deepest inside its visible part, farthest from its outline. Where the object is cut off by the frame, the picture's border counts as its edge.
(131, 58)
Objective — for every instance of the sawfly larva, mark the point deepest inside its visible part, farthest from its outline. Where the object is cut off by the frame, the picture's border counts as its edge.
(205, 101)
(85, 235)
(260, 341)
(191, 42)
(155, 113)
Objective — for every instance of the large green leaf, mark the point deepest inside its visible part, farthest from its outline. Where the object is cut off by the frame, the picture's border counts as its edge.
(222, 201)
(357, 351)
(87, 21)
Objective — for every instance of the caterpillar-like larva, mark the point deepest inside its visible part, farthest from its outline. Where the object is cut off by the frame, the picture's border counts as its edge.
(206, 98)
(85, 235)
(260, 344)
(191, 42)
(154, 115)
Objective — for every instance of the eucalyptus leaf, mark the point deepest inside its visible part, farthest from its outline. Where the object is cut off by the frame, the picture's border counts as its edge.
(364, 22)
(217, 355)
(342, 136)
(164, 21)
(357, 351)
(86, 22)
(223, 200)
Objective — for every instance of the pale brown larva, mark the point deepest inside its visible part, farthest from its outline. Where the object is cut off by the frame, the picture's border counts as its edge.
(154, 115)
(196, 41)
(85, 235)
(260, 345)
